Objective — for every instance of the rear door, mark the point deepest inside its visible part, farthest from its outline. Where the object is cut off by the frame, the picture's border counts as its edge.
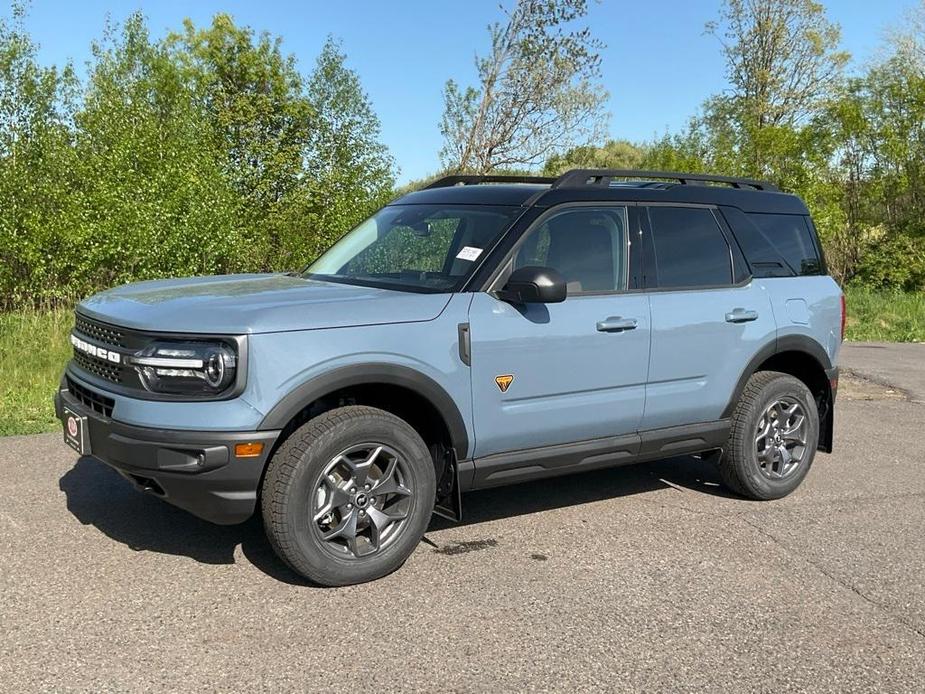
(708, 318)
(547, 374)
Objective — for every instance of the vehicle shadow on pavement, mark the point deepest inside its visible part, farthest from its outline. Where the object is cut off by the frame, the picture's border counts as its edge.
(98, 496)
(573, 490)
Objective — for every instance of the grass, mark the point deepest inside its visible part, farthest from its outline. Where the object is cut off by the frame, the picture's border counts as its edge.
(34, 349)
(885, 316)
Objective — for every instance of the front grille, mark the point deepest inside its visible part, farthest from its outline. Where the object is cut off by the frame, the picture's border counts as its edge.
(107, 341)
(122, 340)
(98, 367)
(100, 332)
(95, 401)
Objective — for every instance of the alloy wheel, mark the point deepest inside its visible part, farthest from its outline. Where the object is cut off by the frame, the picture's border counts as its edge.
(780, 438)
(362, 501)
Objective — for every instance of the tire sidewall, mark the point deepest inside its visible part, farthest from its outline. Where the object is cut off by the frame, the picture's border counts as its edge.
(781, 387)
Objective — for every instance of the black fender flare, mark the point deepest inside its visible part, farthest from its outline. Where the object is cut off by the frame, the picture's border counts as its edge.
(786, 343)
(370, 374)
(793, 343)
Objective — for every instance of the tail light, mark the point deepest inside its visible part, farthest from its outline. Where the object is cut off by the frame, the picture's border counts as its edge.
(844, 316)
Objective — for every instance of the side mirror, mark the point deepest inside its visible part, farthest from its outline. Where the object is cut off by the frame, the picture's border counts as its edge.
(534, 285)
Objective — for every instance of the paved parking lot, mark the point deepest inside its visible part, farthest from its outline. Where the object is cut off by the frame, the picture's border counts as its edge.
(645, 577)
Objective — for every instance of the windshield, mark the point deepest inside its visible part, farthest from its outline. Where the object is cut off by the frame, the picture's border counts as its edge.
(423, 247)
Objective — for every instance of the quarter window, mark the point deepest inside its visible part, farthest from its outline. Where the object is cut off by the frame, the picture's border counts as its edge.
(690, 249)
(791, 236)
(586, 245)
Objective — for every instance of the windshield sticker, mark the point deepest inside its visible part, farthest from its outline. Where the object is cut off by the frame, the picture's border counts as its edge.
(469, 253)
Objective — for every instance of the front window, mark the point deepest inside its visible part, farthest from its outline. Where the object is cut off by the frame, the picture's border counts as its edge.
(586, 245)
(424, 247)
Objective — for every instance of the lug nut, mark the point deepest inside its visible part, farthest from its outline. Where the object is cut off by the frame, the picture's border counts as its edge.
(349, 505)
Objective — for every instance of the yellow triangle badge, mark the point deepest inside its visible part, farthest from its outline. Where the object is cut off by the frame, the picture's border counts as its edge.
(504, 382)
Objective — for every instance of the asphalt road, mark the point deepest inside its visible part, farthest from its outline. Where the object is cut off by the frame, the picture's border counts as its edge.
(640, 578)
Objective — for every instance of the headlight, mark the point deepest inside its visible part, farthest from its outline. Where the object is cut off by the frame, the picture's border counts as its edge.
(186, 368)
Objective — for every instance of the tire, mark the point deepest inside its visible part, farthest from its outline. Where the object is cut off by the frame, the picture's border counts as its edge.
(315, 486)
(753, 464)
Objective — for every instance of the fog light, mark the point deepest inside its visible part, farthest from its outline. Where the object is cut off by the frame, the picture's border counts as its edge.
(248, 450)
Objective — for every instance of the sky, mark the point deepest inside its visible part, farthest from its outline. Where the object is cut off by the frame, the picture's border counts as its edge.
(658, 66)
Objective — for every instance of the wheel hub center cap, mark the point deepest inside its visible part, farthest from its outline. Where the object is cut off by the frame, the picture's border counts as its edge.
(361, 500)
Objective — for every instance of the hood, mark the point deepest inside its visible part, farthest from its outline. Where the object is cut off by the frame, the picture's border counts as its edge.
(238, 304)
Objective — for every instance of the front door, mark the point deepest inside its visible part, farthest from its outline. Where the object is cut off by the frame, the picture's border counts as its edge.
(548, 374)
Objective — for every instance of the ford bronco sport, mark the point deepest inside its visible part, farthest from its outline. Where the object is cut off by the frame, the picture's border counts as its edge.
(481, 331)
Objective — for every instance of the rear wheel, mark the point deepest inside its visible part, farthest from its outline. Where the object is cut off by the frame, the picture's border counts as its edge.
(773, 437)
(348, 495)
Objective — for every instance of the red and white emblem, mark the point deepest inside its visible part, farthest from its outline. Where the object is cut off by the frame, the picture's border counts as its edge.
(72, 426)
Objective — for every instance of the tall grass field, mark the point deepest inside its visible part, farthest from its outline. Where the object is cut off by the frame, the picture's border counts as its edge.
(34, 348)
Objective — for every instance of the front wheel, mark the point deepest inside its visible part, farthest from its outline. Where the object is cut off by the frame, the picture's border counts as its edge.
(773, 437)
(348, 496)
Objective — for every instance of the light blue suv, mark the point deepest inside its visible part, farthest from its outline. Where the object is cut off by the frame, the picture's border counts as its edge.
(479, 332)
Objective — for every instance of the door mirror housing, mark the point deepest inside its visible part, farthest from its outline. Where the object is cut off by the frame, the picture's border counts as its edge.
(534, 285)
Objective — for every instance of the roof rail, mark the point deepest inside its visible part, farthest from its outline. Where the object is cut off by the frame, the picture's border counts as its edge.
(582, 177)
(471, 180)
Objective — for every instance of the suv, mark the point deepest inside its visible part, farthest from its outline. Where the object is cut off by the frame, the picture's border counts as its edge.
(482, 331)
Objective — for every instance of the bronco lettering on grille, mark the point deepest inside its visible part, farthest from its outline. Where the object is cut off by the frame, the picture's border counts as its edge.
(94, 351)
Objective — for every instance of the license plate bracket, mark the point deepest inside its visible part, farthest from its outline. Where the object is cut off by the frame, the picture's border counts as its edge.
(76, 431)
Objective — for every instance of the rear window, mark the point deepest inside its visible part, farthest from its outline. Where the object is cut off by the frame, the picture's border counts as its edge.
(690, 249)
(791, 236)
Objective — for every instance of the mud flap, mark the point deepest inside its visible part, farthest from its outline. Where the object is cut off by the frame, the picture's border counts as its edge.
(449, 497)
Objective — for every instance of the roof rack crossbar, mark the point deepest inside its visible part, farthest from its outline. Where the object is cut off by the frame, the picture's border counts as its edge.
(583, 177)
(471, 180)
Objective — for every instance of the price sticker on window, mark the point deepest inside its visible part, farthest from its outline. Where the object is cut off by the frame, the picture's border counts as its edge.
(469, 253)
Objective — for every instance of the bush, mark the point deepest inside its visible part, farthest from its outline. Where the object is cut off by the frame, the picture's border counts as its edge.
(206, 152)
(894, 262)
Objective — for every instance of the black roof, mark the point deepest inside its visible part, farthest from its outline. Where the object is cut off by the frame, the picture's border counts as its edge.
(602, 185)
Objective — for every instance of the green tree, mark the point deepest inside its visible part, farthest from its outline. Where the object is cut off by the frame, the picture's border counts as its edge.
(205, 152)
(36, 164)
(303, 153)
(784, 67)
(876, 135)
(613, 154)
(256, 99)
(538, 91)
(782, 58)
(154, 198)
(783, 62)
(684, 151)
(350, 171)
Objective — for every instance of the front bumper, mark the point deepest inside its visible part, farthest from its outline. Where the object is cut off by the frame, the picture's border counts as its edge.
(194, 470)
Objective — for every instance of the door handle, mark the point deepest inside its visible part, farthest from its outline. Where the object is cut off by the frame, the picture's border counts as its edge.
(741, 315)
(616, 324)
